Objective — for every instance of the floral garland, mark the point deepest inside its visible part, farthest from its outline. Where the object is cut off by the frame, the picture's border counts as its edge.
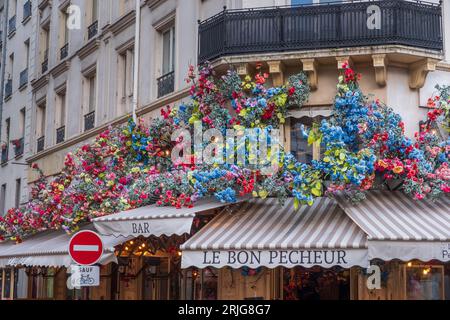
(131, 166)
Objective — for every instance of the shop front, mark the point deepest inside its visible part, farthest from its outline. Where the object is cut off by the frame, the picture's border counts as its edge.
(264, 251)
(251, 250)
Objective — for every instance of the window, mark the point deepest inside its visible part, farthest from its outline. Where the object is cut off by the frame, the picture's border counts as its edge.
(3, 199)
(89, 100)
(61, 109)
(27, 53)
(424, 282)
(60, 117)
(18, 193)
(299, 143)
(297, 2)
(11, 67)
(166, 83)
(64, 35)
(200, 284)
(168, 50)
(94, 8)
(92, 94)
(8, 129)
(22, 122)
(40, 128)
(125, 80)
(43, 46)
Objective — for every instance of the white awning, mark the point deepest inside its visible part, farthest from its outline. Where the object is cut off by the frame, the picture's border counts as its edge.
(399, 227)
(50, 249)
(153, 220)
(263, 233)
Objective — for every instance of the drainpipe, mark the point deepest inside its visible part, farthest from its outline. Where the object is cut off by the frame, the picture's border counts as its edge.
(2, 81)
(137, 40)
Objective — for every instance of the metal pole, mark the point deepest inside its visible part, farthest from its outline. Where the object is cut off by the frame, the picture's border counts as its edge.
(136, 59)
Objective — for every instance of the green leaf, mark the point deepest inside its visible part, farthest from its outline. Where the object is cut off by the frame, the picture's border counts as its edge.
(316, 192)
(296, 204)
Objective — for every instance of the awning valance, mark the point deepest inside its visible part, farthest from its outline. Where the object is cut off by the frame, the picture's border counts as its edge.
(50, 249)
(262, 233)
(399, 227)
(153, 220)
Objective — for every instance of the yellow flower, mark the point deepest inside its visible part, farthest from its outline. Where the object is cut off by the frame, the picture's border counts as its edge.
(383, 164)
(61, 187)
(135, 170)
(248, 78)
(398, 169)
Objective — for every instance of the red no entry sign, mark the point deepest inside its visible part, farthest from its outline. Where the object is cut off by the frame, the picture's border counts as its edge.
(86, 248)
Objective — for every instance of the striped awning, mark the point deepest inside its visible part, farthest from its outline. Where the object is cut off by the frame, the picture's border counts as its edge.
(153, 220)
(399, 227)
(263, 233)
(51, 249)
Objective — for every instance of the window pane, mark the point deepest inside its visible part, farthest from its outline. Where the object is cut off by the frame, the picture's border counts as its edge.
(297, 2)
(92, 88)
(166, 52)
(299, 144)
(424, 283)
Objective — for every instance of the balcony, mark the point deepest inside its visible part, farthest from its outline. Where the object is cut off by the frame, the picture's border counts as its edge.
(12, 26)
(18, 147)
(92, 30)
(23, 81)
(166, 84)
(320, 26)
(60, 134)
(64, 52)
(26, 11)
(8, 89)
(89, 121)
(5, 148)
(40, 144)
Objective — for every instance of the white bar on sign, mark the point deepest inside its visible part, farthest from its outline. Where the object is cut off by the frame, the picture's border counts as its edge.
(79, 247)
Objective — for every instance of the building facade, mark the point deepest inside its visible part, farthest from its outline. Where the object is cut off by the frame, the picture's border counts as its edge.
(68, 66)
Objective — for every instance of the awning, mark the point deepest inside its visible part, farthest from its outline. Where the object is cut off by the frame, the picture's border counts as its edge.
(153, 220)
(263, 233)
(50, 249)
(399, 227)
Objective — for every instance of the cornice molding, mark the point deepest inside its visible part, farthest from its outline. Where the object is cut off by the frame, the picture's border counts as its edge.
(60, 68)
(41, 82)
(89, 48)
(122, 23)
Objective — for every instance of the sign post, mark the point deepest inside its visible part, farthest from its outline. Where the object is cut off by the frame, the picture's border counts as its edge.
(85, 249)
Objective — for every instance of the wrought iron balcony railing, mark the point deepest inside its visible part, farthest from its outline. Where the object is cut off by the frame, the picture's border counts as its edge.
(23, 78)
(60, 134)
(8, 89)
(12, 25)
(166, 84)
(5, 153)
(26, 10)
(92, 30)
(64, 51)
(19, 147)
(40, 144)
(89, 121)
(328, 25)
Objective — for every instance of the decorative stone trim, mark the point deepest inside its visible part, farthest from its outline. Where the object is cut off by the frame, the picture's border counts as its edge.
(276, 70)
(418, 72)
(310, 68)
(89, 48)
(379, 63)
(60, 68)
(39, 83)
(122, 23)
